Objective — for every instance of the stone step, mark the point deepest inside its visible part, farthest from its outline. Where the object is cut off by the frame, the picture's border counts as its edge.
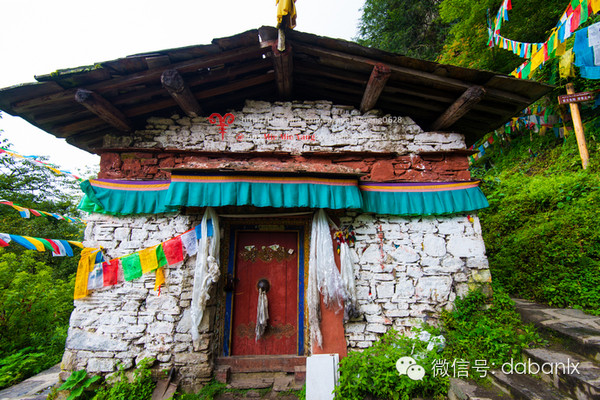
(277, 381)
(469, 390)
(254, 394)
(580, 331)
(570, 372)
(262, 363)
(526, 387)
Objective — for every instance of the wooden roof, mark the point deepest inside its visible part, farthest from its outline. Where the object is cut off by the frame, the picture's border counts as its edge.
(83, 104)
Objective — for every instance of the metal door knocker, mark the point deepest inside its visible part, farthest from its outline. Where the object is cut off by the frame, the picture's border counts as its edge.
(264, 285)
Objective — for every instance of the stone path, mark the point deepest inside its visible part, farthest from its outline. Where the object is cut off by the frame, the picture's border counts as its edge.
(580, 330)
(574, 339)
(35, 388)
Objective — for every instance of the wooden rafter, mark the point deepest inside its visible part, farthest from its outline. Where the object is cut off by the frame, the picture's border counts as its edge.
(379, 77)
(173, 82)
(103, 109)
(284, 68)
(414, 73)
(459, 108)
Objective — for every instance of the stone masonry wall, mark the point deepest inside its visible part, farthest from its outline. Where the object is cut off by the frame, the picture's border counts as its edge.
(122, 324)
(409, 269)
(315, 133)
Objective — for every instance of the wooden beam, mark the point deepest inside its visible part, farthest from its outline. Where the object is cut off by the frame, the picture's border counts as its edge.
(459, 108)
(379, 77)
(103, 109)
(414, 73)
(173, 82)
(152, 106)
(152, 75)
(284, 69)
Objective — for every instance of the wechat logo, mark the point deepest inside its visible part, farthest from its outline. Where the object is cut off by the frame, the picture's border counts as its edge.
(408, 366)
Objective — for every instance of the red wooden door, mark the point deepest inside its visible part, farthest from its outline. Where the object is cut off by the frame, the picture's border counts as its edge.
(272, 256)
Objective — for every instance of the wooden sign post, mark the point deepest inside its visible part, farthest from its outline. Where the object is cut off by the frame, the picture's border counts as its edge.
(572, 99)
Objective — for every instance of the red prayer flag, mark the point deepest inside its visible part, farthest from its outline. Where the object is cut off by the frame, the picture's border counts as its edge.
(173, 249)
(575, 19)
(110, 271)
(35, 212)
(3, 243)
(509, 5)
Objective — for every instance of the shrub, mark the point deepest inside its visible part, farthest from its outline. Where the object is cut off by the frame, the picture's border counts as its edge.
(373, 371)
(140, 388)
(484, 328)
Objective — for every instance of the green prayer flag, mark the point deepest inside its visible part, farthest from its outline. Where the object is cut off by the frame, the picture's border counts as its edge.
(526, 71)
(584, 12)
(551, 46)
(161, 256)
(132, 268)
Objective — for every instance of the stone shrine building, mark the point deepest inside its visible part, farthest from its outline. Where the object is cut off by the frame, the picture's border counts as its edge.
(259, 141)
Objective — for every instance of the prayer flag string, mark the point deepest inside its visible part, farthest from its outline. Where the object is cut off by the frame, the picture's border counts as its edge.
(576, 13)
(58, 247)
(25, 212)
(95, 272)
(35, 160)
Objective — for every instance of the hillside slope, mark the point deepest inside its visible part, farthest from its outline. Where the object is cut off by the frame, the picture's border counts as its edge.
(542, 229)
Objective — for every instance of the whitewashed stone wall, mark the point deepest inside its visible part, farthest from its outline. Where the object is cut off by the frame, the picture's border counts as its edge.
(294, 127)
(412, 270)
(123, 324)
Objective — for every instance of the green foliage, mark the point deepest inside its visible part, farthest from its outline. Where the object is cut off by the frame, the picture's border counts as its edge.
(302, 393)
(34, 316)
(16, 367)
(484, 328)
(374, 372)
(34, 307)
(77, 383)
(466, 45)
(140, 388)
(408, 27)
(208, 392)
(36, 289)
(541, 227)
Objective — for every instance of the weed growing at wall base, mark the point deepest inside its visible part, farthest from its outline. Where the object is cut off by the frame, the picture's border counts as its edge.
(374, 371)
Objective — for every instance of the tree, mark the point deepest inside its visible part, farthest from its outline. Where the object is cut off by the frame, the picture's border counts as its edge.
(33, 186)
(466, 43)
(412, 28)
(36, 289)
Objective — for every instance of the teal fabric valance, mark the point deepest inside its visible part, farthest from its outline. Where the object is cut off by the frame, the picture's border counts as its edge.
(423, 198)
(108, 196)
(283, 191)
(279, 191)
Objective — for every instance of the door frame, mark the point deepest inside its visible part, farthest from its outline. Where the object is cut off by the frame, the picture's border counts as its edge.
(268, 226)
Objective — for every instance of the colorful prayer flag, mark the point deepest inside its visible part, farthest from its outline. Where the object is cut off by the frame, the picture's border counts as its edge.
(160, 278)
(148, 259)
(95, 279)
(110, 272)
(86, 265)
(173, 249)
(132, 268)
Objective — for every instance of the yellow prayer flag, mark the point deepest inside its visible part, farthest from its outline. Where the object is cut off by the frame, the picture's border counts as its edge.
(537, 60)
(86, 264)
(74, 243)
(39, 246)
(148, 259)
(565, 66)
(595, 6)
(286, 7)
(561, 48)
(160, 278)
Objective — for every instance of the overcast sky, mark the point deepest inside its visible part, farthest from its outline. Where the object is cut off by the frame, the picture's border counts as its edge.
(41, 36)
